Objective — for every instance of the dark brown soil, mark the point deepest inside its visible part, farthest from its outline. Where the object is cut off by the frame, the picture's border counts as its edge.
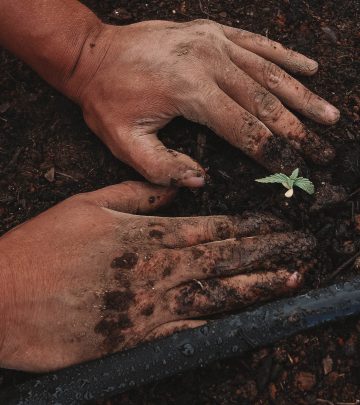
(41, 130)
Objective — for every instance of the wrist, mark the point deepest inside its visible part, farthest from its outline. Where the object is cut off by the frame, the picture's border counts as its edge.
(88, 61)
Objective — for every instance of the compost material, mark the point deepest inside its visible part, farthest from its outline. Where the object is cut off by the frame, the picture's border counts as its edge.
(47, 154)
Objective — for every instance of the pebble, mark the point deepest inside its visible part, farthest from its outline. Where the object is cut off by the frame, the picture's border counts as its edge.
(327, 364)
(330, 34)
(305, 381)
(50, 175)
(121, 14)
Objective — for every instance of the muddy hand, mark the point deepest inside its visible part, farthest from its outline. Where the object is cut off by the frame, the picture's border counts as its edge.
(92, 278)
(225, 78)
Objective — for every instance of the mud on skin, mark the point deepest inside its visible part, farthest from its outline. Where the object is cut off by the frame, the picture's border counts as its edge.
(112, 329)
(212, 296)
(127, 261)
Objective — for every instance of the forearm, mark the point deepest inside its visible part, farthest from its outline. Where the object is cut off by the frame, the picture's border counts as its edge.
(52, 37)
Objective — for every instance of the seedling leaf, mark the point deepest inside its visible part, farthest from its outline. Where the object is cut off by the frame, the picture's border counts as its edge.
(294, 174)
(305, 184)
(274, 178)
(290, 182)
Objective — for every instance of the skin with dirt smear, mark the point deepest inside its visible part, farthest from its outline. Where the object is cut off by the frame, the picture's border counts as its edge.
(130, 81)
(93, 288)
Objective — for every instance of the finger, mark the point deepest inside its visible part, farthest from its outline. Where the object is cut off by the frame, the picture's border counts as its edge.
(289, 90)
(132, 197)
(171, 328)
(157, 163)
(182, 232)
(268, 108)
(219, 295)
(243, 130)
(228, 257)
(293, 61)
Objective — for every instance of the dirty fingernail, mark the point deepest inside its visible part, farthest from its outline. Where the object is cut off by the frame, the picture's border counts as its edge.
(332, 113)
(193, 178)
(294, 280)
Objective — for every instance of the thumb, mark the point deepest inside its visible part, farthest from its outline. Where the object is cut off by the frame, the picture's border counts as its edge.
(132, 196)
(158, 164)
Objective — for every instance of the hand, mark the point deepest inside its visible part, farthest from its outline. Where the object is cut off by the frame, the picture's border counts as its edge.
(225, 78)
(87, 277)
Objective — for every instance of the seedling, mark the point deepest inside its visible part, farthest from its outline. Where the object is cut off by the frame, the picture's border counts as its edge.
(290, 182)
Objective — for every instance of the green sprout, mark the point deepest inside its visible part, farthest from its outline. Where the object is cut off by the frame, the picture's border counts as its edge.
(290, 182)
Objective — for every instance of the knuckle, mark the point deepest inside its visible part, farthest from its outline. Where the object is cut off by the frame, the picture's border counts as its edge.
(248, 133)
(307, 98)
(273, 75)
(268, 106)
(260, 40)
(206, 48)
(219, 228)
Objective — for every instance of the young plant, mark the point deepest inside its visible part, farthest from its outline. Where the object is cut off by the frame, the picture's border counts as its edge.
(290, 182)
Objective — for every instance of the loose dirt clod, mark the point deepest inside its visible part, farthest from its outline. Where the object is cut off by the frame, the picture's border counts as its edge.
(305, 381)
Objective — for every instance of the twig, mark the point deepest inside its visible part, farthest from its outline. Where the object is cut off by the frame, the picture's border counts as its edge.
(357, 402)
(354, 193)
(204, 11)
(343, 266)
(67, 176)
(324, 401)
(200, 145)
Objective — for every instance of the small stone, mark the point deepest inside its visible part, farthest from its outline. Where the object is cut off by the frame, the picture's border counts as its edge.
(334, 376)
(305, 381)
(330, 34)
(272, 391)
(121, 14)
(223, 14)
(50, 175)
(327, 364)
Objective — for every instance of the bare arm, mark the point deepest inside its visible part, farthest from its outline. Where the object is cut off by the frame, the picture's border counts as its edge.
(49, 35)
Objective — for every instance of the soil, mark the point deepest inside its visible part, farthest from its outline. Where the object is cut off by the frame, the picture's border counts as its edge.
(47, 154)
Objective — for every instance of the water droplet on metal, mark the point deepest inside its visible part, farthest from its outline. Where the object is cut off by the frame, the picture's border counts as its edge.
(235, 348)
